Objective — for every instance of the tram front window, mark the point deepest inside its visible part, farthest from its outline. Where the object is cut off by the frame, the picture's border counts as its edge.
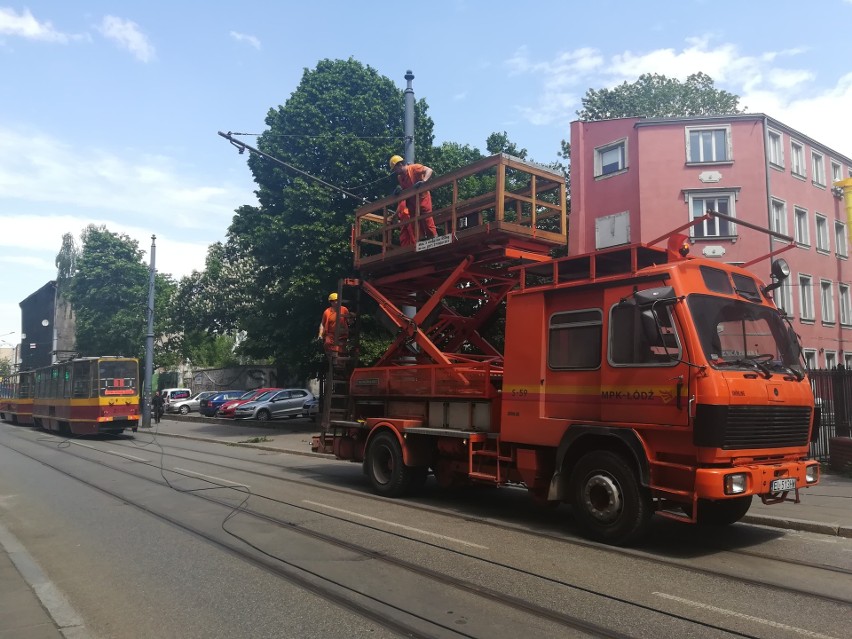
(117, 377)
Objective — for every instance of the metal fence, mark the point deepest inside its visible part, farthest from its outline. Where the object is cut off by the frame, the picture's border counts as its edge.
(833, 394)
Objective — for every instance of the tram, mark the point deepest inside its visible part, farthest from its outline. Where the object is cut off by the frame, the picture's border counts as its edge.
(87, 396)
(16, 398)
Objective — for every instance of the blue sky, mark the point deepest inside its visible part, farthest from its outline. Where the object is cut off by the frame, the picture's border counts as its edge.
(109, 110)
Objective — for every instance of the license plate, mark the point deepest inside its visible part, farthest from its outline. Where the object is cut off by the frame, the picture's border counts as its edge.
(783, 484)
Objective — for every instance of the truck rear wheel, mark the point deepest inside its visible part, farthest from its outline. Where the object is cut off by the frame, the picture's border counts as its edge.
(608, 502)
(388, 474)
(723, 512)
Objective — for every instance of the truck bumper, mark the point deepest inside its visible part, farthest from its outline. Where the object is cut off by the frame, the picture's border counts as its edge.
(755, 479)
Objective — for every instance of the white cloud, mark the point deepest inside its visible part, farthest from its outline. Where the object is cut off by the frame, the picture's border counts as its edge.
(25, 25)
(249, 39)
(127, 35)
(764, 82)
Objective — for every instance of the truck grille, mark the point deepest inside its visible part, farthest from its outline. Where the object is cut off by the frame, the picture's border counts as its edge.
(742, 427)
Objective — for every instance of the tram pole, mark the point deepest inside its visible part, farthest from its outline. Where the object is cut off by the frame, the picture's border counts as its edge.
(149, 338)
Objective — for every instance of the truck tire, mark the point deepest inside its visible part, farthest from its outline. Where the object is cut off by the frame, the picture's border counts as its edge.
(388, 474)
(608, 501)
(723, 512)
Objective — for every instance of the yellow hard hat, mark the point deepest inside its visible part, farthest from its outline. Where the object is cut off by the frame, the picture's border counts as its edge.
(394, 160)
(332, 297)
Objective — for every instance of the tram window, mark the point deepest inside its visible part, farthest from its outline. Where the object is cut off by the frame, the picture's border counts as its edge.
(25, 386)
(82, 379)
(118, 377)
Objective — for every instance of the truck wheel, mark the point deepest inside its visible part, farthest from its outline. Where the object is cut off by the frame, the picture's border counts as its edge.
(388, 474)
(608, 503)
(723, 512)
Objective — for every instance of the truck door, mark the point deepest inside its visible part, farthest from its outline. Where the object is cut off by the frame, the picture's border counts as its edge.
(644, 380)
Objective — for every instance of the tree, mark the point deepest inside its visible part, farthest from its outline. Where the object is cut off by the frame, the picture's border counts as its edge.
(340, 125)
(655, 95)
(66, 261)
(5, 367)
(109, 294)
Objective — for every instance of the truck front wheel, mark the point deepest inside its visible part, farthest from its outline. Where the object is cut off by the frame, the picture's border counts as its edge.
(388, 474)
(608, 502)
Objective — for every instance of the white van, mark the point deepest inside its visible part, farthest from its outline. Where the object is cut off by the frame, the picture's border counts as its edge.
(173, 394)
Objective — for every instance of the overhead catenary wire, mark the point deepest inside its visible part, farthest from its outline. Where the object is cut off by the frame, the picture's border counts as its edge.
(242, 146)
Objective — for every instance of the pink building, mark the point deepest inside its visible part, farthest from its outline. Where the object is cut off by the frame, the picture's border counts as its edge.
(635, 179)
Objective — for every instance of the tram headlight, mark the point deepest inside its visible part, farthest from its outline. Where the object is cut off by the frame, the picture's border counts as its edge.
(735, 483)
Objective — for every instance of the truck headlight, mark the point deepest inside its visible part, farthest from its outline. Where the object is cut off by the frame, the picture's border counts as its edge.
(735, 483)
(811, 473)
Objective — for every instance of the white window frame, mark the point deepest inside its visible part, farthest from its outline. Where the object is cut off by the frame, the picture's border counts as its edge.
(784, 297)
(797, 159)
(836, 171)
(729, 150)
(844, 301)
(818, 168)
(840, 245)
(690, 198)
(601, 150)
(810, 356)
(830, 358)
(847, 361)
(803, 232)
(823, 243)
(776, 148)
(806, 297)
(778, 218)
(826, 301)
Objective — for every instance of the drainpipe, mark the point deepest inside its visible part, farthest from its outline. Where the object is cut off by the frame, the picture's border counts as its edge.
(767, 169)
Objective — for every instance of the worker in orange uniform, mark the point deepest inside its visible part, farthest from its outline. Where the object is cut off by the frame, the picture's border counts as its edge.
(410, 176)
(330, 317)
(406, 233)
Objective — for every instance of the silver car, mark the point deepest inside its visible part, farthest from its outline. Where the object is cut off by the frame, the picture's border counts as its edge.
(186, 406)
(289, 402)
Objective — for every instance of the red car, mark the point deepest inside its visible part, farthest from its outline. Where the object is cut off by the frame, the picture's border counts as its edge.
(227, 409)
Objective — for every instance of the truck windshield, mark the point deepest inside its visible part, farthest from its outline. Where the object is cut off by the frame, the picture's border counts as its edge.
(741, 334)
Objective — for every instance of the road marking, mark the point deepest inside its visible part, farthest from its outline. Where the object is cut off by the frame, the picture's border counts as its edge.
(61, 611)
(391, 523)
(740, 615)
(210, 477)
(84, 445)
(115, 452)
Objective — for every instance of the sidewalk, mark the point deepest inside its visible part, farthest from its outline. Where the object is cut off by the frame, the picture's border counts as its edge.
(825, 508)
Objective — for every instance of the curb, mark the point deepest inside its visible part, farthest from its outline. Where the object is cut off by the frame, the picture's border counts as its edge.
(273, 449)
(835, 530)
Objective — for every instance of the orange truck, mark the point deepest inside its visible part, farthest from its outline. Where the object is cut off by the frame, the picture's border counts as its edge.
(632, 381)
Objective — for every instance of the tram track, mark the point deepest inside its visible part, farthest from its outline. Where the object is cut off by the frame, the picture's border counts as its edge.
(639, 554)
(568, 621)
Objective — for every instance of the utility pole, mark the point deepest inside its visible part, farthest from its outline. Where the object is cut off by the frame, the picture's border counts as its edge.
(149, 338)
(408, 128)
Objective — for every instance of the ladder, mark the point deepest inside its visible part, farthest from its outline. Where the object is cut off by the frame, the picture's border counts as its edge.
(335, 401)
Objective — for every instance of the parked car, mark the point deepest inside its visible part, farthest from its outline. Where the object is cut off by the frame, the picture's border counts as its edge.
(170, 395)
(227, 409)
(209, 406)
(289, 402)
(312, 408)
(186, 406)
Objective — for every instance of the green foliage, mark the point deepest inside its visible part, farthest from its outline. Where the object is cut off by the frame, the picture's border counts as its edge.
(5, 367)
(66, 261)
(109, 294)
(655, 95)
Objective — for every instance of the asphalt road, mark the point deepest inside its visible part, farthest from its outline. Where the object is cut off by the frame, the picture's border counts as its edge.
(181, 538)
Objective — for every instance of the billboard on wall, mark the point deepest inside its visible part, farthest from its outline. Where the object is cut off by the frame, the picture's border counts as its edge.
(247, 377)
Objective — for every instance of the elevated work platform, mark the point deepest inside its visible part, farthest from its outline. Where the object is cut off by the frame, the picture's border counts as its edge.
(496, 209)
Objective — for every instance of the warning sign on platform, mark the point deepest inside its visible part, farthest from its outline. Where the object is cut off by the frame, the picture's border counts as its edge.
(432, 242)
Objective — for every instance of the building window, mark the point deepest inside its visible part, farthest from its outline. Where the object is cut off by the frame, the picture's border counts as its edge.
(803, 235)
(810, 358)
(806, 297)
(708, 144)
(840, 239)
(797, 159)
(776, 148)
(822, 233)
(818, 168)
(836, 171)
(778, 221)
(830, 360)
(713, 227)
(784, 297)
(845, 304)
(611, 158)
(847, 361)
(826, 298)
